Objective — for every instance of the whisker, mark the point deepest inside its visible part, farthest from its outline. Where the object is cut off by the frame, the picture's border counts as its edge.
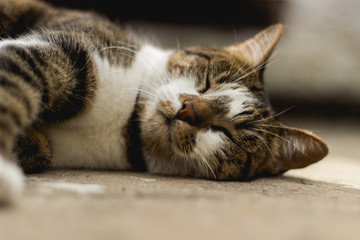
(274, 116)
(153, 149)
(264, 142)
(171, 163)
(273, 126)
(208, 166)
(284, 139)
(231, 66)
(263, 65)
(237, 73)
(149, 61)
(284, 127)
(85, 99)
(118, 47)
(235, 34)
(139, 90)
(252, 71)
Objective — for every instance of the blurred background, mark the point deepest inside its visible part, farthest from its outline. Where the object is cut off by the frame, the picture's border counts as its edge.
(314, 71)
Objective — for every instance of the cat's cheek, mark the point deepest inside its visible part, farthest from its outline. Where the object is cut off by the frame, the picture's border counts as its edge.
(183, 138)
(208, 143)
(155, 131)
(167, 110)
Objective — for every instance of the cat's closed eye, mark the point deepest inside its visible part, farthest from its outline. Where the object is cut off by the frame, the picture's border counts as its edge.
(207, 86)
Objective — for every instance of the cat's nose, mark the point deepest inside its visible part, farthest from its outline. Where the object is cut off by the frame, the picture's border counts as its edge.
(186, 113)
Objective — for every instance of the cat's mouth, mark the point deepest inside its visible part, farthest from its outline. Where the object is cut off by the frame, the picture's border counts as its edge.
(181, 134)
(167, 111)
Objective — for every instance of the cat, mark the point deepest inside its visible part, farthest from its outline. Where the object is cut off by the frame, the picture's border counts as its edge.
(78, 91)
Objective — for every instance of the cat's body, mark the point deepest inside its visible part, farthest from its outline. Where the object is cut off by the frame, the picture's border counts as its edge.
(77, 91)
(98, 138)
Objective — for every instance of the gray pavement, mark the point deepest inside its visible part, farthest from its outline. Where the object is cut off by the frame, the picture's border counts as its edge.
(302, 204)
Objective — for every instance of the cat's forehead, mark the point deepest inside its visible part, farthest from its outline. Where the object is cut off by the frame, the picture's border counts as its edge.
(216, 66)
(197, 61)
(205, 54)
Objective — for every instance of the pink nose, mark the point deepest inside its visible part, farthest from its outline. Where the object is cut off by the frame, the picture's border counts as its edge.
(186, 113)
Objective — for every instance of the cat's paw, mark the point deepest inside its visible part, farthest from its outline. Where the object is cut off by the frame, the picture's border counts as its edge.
(11, 181)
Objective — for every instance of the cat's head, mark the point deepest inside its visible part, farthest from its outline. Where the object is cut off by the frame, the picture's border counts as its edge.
(209, 117)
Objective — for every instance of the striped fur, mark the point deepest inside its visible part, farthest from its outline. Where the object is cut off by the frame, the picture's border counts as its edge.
(78, 91)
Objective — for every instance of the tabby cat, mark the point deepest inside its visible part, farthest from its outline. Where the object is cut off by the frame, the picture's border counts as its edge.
(77, 91)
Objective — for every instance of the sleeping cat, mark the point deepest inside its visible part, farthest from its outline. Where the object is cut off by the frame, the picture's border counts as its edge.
(77, 91)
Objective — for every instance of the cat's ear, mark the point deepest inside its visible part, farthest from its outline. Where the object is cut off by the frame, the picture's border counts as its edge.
(296, 149)
(258, 49)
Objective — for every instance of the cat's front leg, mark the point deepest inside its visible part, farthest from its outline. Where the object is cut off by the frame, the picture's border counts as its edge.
(11, 181)
(33, 151)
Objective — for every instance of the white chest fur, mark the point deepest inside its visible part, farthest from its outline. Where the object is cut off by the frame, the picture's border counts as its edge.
(96, 139)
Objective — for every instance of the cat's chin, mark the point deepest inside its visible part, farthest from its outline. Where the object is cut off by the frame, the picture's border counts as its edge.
(182, 137)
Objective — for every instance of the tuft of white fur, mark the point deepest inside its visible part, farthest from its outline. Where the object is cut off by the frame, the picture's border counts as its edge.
(239, 97)
(24, 42)
(175, 87)
(11, 181)
(207, 142)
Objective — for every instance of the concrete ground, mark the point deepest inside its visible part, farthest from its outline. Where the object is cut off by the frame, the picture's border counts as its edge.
(319, 202)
